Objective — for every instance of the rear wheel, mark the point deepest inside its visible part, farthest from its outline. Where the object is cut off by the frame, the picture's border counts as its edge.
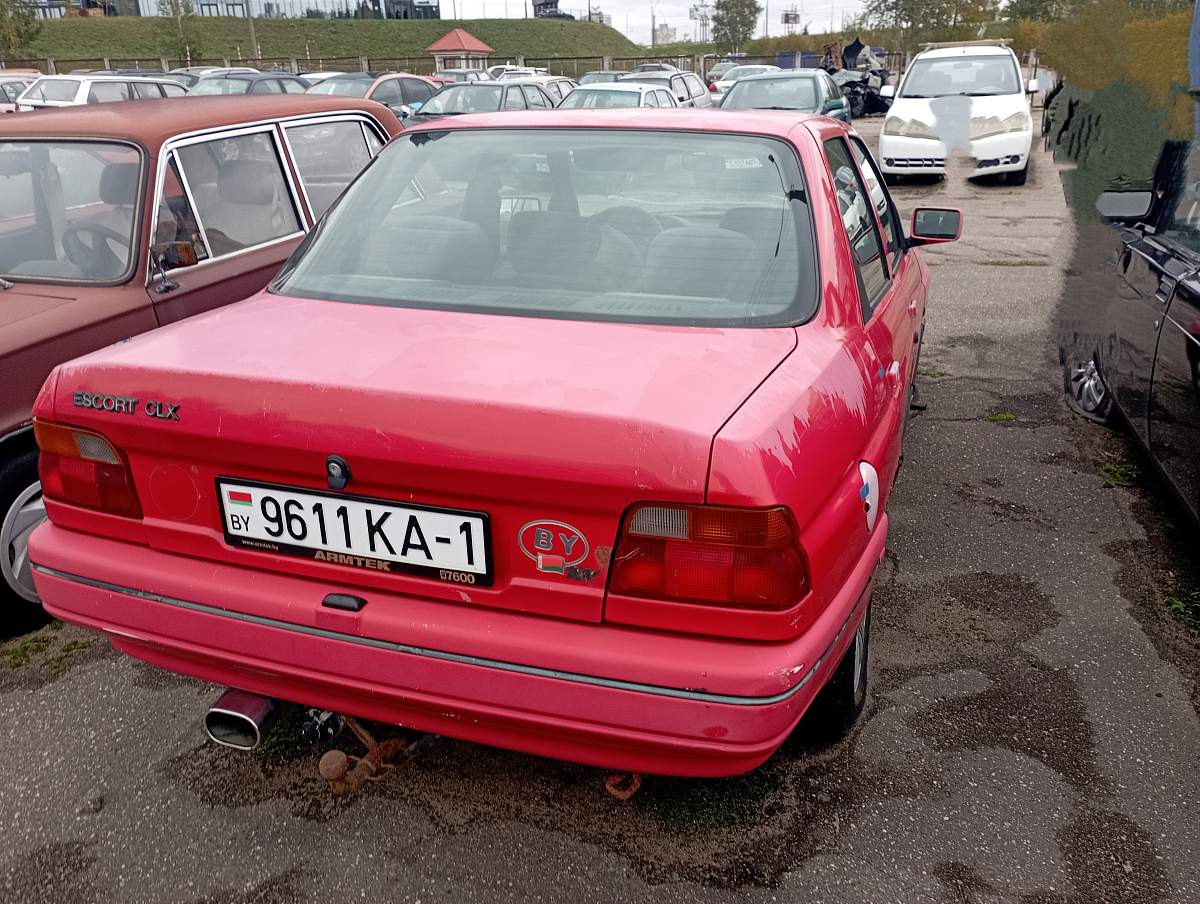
(1086, 392)
(21, 510)
(841, 701)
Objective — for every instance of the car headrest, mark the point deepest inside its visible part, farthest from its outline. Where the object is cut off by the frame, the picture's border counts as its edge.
(704, 261)
(119, 183)
(247, 182)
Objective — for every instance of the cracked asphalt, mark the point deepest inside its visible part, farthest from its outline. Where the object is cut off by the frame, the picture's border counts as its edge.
(1031, 734)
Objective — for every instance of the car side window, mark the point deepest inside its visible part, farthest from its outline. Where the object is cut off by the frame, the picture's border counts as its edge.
(415, 90)
(108, 92)
(679, 87)
(389, 93)
(241, 193)
(694, 84)
(266, 86)
(893, 233)
(866, 246)
(666, 100)
(146, 90)
(291, 86)
(537, 100)
(650, 99)
(552, 90)
(175, 221)
(174, 90)
(328, 156)
(514, 99)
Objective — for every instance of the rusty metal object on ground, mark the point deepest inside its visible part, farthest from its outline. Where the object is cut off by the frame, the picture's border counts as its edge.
(623, 785)
(346, 774)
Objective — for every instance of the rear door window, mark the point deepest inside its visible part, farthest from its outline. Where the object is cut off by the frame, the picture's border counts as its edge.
(266, 86)
(173, 90)
(866, 246)
(415, 90)
(240, 190)
(108, 92)
(291, 86)
(537, 100)
(146, 90)
(388, 92)
(514, 99)
(328, 156)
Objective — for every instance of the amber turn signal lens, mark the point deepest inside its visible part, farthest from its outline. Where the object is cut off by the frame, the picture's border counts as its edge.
(81, 467)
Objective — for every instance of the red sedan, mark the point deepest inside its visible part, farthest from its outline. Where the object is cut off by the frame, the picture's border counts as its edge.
(568, 432)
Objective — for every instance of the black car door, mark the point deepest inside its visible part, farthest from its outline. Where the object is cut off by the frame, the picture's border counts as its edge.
(1147, 274)
(1175, 394)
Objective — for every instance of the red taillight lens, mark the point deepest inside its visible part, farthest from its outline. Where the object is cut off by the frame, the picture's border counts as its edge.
(712, 86)
(83, 468)
(744, 558)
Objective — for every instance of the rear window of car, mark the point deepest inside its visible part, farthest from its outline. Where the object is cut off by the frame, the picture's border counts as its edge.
(221, 86)
(588, 224)
(343, 87)
(465, 98)
(600, 99)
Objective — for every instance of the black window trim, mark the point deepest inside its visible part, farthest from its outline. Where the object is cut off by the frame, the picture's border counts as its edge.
(867, 303)
(901, 243)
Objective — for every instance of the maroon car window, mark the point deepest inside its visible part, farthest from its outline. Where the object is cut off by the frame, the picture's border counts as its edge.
(328, 155)
(861, 230)
(892, 232)
(388, 92)
(240, 190)
(175, 221)
(68, 210)
(585, 224)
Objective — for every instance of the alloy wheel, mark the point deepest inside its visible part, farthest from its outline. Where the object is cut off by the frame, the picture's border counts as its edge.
(1087, 387)
(25, 514)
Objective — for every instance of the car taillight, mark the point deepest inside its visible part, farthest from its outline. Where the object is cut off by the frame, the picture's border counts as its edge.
(83, 468)
(712, 86)
(743, 558)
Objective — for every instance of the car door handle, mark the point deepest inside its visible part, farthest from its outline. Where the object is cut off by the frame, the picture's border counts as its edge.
(912, 309)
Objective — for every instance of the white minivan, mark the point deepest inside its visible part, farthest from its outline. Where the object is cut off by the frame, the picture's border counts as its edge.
(967, 97)
(73, 90)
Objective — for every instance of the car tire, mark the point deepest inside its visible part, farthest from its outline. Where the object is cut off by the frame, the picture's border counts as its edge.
(1018, 177)
(21, 510)
(840, 703)
(1085, 390)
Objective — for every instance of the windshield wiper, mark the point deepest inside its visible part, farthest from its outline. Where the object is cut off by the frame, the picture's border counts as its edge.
(979, 93)
(796, 109)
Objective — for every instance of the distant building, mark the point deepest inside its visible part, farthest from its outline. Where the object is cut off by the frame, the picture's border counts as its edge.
(548, 9)
(665, 34)
(459, 49)
(412, 9)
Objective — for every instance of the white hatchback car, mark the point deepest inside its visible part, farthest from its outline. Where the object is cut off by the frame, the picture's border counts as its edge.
(73, 90)
(614, 95)
(968, 97)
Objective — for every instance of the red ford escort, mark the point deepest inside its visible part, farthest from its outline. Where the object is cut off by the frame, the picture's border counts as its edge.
(568, 432)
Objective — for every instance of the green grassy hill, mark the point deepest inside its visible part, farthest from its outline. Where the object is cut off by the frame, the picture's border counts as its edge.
(147, 38)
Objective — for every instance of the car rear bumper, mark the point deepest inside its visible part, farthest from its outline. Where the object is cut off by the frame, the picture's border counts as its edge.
(621, 722)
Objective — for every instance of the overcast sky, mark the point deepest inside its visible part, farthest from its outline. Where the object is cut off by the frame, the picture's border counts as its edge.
(633, 16)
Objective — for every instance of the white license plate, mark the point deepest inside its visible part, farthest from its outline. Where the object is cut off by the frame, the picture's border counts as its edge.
(374, 534)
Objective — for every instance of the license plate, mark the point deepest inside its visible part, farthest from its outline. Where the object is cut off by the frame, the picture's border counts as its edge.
(373, 534)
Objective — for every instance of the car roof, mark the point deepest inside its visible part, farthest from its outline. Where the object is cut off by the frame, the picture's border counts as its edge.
(106, 77)
(631, 87)
(782, 74)
(748, 122)
(250, 76)
(973, 50)
(153, 122)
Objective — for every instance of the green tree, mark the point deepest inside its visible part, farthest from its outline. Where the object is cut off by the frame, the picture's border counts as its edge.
(18, 26)
(733, 22)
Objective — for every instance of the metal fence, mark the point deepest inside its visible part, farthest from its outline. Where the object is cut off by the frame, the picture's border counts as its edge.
(679, 62)
(415, 65)
(571, 67)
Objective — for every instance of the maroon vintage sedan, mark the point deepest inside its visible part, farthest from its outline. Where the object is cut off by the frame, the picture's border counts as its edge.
(117, 218)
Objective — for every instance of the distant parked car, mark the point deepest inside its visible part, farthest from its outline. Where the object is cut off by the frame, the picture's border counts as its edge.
(11, 86)
(249, 83)
(462, 75)
(798, 90)
(686, 87)
(315, 78)
(504, 70)
(556, 86)
(485, 97)
(655, 67)
(601, 75)
(719, 70)
(402, 92)
(114, 221)
(617, 95)
(75, 90)
(209, 71)
(726, 81)
(184, 78)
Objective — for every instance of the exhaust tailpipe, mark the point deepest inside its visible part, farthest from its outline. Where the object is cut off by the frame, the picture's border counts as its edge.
(240, 719)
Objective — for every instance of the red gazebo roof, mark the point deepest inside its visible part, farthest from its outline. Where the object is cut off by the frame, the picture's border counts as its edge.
(458, 40)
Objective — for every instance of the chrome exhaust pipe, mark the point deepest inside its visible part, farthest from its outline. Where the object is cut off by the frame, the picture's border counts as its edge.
(240, 719)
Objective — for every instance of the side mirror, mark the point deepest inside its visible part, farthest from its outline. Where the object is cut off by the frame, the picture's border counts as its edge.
(834, 105)
(935, 225)
(887, 91)
(1032, 86)
(1124, 205)
(174, 255)
(403, 111)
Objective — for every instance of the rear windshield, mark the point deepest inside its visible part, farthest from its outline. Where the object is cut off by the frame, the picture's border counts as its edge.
(343, 87)
(600, 99)
(466, 98)
(592, 78)
(792, 93)
(221, 86)
(587, 224)
(979, 76)
(67, 209)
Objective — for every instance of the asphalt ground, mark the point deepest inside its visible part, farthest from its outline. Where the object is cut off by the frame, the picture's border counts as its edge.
(1031, 733)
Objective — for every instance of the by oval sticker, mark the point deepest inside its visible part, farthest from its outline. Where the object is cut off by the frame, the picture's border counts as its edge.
(553, 545)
